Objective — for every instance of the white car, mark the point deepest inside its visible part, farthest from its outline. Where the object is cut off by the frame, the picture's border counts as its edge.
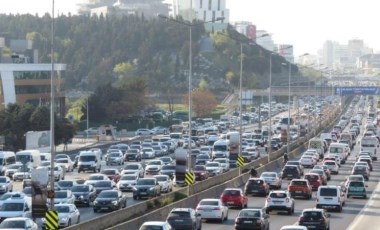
(20, 222)
(308, 161)
(272, 179)
(206, 150)
(362, 163)
(22, 173)
(144, 132)
(65, 163)
(6, 184)
(224, 162)
(68, 214)
(279, 200)
(148, 153)
(115, 157)
(165, 182)
(313, 154)
(127, 182)
(63, 197)
(59, 173)
(162, 225)
(154, 167)
(214, 168)
(212, 209)
(93, 178)
(11, 169)
(332, 165)
(132, 168)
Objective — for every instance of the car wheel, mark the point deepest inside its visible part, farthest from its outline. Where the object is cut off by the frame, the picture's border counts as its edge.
(221, 219)
(95, 210)
(267, 211)
(78, 220)
(290, 211)
(226, 217)
(135, 197)
(69, 223)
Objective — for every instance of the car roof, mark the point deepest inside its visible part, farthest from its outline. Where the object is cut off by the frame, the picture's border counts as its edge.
(161, 223)
(181, 209)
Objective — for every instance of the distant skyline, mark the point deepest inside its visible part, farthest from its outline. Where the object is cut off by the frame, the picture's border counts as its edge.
(306, 24)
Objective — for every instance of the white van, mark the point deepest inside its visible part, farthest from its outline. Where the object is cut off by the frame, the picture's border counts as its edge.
(317, 144)
(330, 197)
(32, 157)
(45, 156)
(369, 144)
(6, 158)
(221, 149)
(89, 161)
(341, 149)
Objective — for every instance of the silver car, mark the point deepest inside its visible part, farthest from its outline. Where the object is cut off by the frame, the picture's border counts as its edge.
(5, 184)
(68, 215)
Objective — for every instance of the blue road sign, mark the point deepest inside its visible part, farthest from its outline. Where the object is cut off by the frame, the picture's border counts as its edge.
(371, 90)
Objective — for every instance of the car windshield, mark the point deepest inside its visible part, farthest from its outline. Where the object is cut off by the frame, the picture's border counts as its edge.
(278, 195)
(108, 194)
(154, 163)
(179, 214)
(312, 214)
(145, 182)
(168, 167)
(62, 209)
(356, 184)
(298, 182)
(96, 177)
(231, 192)
(268, 175)
(203, 156)
(14, 166)
(249, 213)
(87, 158)
(328, 192)
(212, 165)
(80, 188)
(60, 194)
(103, 184)
(13, 224)
(151, 227)
(336, 150)
(128, 177)
(109, 172)
(3, 180)
(131, 167)
(161, 178)
(12, 207)
(210, 202)
(66, 183)
(62, 160)
(114, 154)
(199, 168)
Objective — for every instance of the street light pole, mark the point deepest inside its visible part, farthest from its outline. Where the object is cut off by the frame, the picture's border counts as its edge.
(288, 132)
(190, 94)
(52, 179)
(241, 102)
(270, 108)
(88, 121)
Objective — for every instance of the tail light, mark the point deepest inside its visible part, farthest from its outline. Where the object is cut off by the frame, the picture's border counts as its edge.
(237, 220)
(198, 208)
(300, 219)
(287, 200)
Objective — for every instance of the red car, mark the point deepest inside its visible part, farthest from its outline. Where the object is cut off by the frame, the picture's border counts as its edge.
(234, 197)
(314, 180)
(200, 172)
(112, 174)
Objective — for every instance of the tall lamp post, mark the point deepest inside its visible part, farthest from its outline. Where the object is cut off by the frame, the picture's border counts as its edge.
(270, 101)
(52, 144)
(190, 25)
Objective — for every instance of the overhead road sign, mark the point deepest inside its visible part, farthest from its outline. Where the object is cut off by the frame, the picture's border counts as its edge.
(371, 90)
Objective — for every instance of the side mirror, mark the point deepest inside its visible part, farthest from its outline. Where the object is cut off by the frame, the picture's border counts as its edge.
(328, 215)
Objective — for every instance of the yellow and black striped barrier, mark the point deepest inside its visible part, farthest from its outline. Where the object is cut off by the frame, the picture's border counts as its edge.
(51, 220)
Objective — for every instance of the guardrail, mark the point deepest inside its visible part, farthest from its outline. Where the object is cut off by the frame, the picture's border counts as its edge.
(212, 187)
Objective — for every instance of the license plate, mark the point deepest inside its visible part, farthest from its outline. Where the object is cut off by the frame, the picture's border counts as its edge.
(290, 174)
(104, 208)
(254, 190)
(298, 191)
(230, 202)
(248, 222)
(143, 193)
(177, 220)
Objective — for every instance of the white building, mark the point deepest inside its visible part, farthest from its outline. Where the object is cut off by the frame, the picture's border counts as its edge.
(266, 42)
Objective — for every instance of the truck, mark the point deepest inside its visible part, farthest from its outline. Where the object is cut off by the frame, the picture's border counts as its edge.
(234, 147)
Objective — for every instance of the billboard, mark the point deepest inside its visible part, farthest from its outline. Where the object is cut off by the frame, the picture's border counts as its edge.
(39, 191)
(251, 32)
(38, 140)
(357, 90)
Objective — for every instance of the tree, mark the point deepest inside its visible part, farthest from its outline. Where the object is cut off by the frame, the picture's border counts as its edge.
(40, 119)
(203, 102)
(124, 70)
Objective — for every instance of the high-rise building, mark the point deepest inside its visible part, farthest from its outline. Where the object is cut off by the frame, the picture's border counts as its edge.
(266, 42)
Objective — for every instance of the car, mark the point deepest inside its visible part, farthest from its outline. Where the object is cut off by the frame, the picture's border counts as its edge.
(61, 156)
(144, 132)
(148, 153)
(27, 191)
(93, 178)
(16, 206)
(127, 182)
(321, 174)
(146, 187)
(59, 173)
(123, 147)
(18, 223)
(224, 162)
(132, 154)
(251, 218)
(153, 167)
(184, 219)
(368, 160)
(272, 179)
(10, 195)
(22, 173)
(200, 172)
(156, 225)
(66, 184)
(279, 200)
(212, 209)
(256, 186)
(103, 185)
(353, 178)
(247, 156)
(65, 163)
(159, 130)
(293, 227)
(331, 197)
(63, 197)
(6, 184)
(314, 218)
(314, 180)
(325, 169)
(361, 170)
(356, 189)
(362, 163)
(110, 200)
(308, 161)
(214, 168)
(167, 160)
(300, 188)
(165, 182)
(84, 194)
(202, 159)
(134, 168)
(290, 172)
(112, 174)
(234, 197)
(296, 163)
(68, 215)
(115, 158)
(168, 170)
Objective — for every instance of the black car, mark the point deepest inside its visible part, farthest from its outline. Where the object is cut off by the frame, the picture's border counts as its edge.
(110, 200)
(202, 159)
(314, 219)
(184, 219)
(84, 194)
(76, 159)
(250, 218)
(290, 172)
(256, 186)
(103, 185)
(146, 187)
(168, 170)
(66, 184)
(132, 155)
(275, 145)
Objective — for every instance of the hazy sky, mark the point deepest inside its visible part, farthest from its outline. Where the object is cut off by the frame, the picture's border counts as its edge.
(304, 23)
